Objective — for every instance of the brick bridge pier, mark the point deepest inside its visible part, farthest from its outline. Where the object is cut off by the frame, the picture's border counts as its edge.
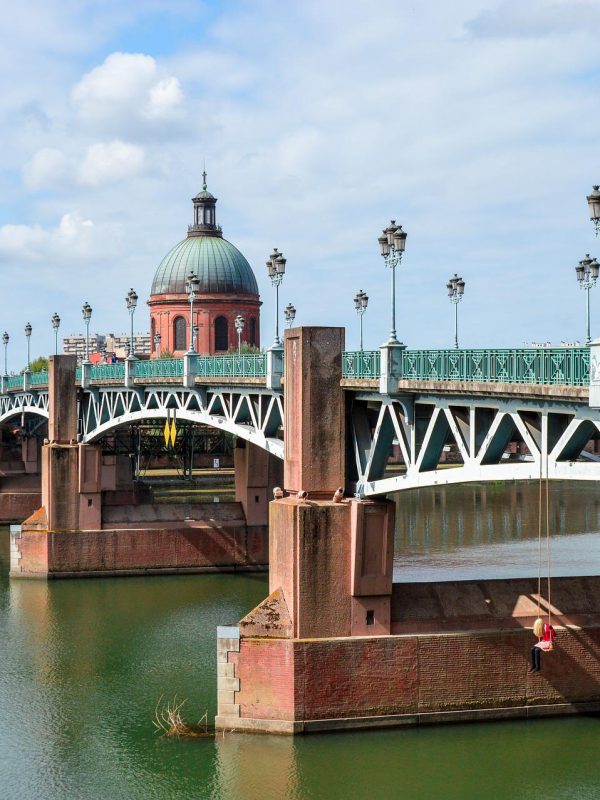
(337, 644)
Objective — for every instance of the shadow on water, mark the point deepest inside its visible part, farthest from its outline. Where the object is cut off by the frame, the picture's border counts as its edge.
(82, 664)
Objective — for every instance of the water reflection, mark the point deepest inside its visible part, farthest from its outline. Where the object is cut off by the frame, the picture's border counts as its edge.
(490, 530)
(82, 664)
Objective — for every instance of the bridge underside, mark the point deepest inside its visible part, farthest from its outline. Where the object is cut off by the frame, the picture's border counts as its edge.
(551, 435)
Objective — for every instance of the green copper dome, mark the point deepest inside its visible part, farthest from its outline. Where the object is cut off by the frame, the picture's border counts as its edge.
(220, 267)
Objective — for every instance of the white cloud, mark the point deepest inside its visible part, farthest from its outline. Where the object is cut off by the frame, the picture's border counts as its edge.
(73, 240)
(47, 167)
(127, 89)
(108, 162)
(164, 99)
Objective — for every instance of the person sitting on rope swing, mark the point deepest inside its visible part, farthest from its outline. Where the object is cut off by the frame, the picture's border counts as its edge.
(546, 635)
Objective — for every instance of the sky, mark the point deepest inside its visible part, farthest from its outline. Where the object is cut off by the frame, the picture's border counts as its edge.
(473, 124)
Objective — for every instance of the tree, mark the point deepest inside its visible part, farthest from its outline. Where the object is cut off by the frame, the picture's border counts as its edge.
(39, 364)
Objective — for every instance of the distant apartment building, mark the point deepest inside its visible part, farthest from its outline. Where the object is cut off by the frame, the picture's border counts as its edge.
(107, 344)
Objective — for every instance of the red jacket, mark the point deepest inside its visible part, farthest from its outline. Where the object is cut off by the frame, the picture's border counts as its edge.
(549, 634)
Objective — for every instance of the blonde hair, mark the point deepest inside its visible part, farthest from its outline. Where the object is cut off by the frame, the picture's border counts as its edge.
(538, 627)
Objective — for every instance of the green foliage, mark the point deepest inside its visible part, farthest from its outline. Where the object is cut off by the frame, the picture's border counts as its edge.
(245, 349)
(166, 354)
(39, 364)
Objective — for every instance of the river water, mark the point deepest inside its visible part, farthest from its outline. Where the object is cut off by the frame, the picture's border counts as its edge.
(83, 664)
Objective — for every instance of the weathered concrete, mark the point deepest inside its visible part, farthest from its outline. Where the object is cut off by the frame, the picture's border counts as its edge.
(218, 539)
(257, 472)
(315, 423)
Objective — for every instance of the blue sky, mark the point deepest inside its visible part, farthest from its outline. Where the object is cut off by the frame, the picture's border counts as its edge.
(474, 124)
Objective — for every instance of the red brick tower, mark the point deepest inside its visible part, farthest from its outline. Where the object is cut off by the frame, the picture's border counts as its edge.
(227, 288)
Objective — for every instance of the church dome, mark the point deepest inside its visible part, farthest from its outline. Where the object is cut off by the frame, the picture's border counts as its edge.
(218, 265)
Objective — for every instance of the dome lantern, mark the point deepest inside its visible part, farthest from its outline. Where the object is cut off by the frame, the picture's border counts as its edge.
(205, 221)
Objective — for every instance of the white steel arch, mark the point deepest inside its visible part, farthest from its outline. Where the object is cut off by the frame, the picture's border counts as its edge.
(255, 415)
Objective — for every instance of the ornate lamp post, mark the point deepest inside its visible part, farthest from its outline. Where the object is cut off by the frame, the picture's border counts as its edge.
(276, 271)
(28, 330)
(594, 205)
(361, 301)
(56, 325)
(87, 316)
(5, 340)
(456, 290)
(392, 243)
(192, 287)
(131, 302)
(290, 314)
(157, 338)
(587, 272)
(239, 327)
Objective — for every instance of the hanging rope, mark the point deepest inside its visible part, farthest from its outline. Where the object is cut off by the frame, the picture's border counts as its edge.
(538, 625)
(539, 587)
(548, 540)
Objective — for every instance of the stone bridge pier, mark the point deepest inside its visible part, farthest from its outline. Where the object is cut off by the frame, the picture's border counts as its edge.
(92, 519)
(336, 644)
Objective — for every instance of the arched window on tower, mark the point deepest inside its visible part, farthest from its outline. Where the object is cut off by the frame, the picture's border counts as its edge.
(221, 334)
(253, 330)
(179, 334)
(152, 334)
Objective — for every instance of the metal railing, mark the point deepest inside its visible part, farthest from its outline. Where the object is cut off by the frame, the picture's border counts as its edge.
(15, 382)
(38, 378)
(159, 368)
(107, 372)
(566, 366)
(361, 364)
(248, 365)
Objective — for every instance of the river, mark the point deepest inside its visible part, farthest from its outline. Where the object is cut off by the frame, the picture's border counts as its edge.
(83, 664)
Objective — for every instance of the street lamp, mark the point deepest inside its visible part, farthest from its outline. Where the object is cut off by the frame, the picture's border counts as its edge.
(239, 326)
(28, 330)
(456, 290)
(157, 338)
(361, 301)
(56, 325)
(87, 315)
(587, 272)
(594, 205)
(290, 314)
(5, 340)
(131, 301)
(276, 271)
(392, 243)
(192, 287)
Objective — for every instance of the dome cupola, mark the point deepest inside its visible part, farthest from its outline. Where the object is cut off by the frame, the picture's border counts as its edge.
(227, 287)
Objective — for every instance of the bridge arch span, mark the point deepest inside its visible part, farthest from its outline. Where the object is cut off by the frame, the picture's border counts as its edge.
(31, 403)
(255, 416)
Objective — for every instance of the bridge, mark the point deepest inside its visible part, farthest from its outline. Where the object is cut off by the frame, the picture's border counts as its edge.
(477, 401)
(336, 643)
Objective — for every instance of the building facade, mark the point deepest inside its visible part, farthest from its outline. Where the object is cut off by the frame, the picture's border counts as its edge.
(227, 288)
(107, 344)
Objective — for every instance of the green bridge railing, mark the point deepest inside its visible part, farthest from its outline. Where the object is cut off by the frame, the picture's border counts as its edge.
(361, 364)
(567, 366)
(251, 365)
(107, 372)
